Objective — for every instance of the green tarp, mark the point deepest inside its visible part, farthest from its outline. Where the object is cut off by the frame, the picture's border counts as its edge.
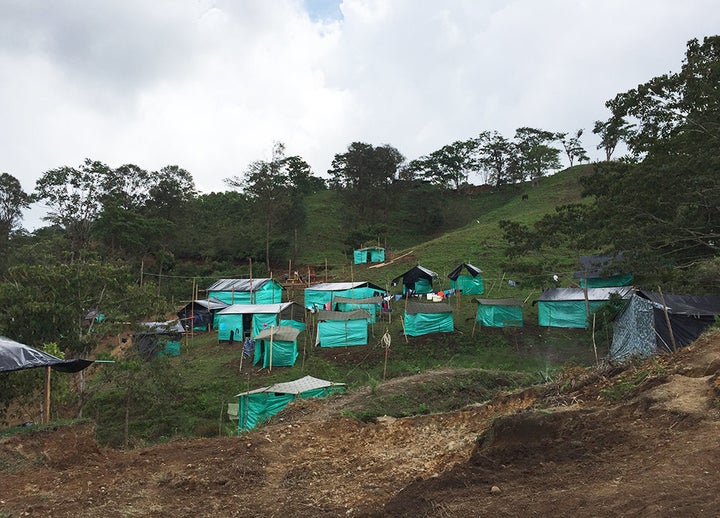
(608, 282)
(276, 347)
(257, 406)
(567, 307)
(369, 255)
(319, 295)
(499, 312)
(468, 285)
(422, 319)
(231, 321)
(342, 329)
(246, 291)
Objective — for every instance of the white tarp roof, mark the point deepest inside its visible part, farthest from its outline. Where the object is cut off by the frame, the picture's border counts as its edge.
(294, 387)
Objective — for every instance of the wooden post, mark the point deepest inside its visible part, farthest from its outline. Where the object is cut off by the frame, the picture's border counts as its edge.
(326, 270)
(142, 268)
(667, 321)
(587, 302)
(271, 348)
(46, 405)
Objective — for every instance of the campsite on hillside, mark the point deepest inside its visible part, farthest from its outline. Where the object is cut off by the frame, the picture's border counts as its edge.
(384, 338)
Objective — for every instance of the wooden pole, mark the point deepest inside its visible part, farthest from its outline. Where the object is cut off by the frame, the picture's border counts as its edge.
(142, 269)
(587, 301)
(271, 348)
(46, 403)
(597, 362)
(667, 321)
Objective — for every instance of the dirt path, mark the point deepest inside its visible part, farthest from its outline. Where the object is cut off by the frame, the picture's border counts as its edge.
(565, 449)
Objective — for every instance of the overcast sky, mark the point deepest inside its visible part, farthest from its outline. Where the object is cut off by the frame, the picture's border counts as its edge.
(210, 84)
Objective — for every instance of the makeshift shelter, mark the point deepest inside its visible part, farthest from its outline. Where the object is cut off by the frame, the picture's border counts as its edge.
(571, 307)
(320, 296)
(235, 321)
(499, 312)
(276, 347)
(603, 271)
(370, 304)
(15, 356)
(471, 284)
(425, 318)
(257, 406)
(641, 328)
(342, 328)
(417, 280)
(246, 291)
(370, 254)
(200, 314)
(158, 339)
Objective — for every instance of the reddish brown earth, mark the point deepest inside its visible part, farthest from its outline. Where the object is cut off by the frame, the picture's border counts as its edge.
(639, 442)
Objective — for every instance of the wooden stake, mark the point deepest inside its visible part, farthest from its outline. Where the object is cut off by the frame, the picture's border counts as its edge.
(46, 405)
(667, 321)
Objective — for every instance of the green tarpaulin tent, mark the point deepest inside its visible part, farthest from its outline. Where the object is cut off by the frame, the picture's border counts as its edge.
(321, 296)
(371, 254)
(246, 291)
(370, 305)
(499, 312)
(471, 284)
(235, 321)
(568, 307)
(603, 271)
(257, 406)
(276, 347)
(425, 318)
(417, 280)
(342, 328)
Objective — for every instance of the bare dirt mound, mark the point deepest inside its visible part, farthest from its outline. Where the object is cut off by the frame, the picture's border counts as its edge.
(633, 442)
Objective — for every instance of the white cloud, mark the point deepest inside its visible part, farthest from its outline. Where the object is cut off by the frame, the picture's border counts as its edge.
(209, 85)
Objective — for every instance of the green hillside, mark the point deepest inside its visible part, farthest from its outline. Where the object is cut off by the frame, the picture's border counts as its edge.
(186, 395)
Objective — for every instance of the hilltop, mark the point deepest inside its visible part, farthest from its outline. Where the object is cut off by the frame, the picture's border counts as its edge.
(637, 441)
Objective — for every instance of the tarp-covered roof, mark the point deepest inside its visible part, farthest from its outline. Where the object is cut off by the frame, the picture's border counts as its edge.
(350, 300)
(294, 387)
(594, 266)
(281, 333)
(415, 273)
(472, 270)
(692, 305)
(255, 309)
(212, 303)
(341, 286)
(357, 314)
(239, 284)
(15, 356)
(575, 294)
(499, 302)
(414, 308)
(160, 328)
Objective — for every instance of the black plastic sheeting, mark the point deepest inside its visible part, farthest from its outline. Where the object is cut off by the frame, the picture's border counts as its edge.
(411, 276)
(472, 270)
(15, 356)
(594, 266)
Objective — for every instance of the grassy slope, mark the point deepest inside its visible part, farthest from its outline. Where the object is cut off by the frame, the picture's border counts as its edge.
(211, 374)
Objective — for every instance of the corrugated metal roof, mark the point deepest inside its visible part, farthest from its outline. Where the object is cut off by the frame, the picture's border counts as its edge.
(167, 327)
(239, 284)
(294, 387)
(499, 302)
(342, 286)
(573, 294)
(357, 314)
(254, 309)
(350, 300)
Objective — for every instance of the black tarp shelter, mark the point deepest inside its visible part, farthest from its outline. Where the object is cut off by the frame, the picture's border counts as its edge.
(417, 279)
(603, 271)
(200, 314)
(641, 328)
(471, 284)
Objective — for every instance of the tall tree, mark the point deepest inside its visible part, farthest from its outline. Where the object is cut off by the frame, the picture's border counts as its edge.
(74, 197)
(450, 165)
(272, 188)
(12, 202)
(573, 148)
(536, 155)
(363, 174)
(611, 133)
(495, 155)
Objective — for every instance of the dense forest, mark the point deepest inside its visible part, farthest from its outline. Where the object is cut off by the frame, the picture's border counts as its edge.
(118, 239)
